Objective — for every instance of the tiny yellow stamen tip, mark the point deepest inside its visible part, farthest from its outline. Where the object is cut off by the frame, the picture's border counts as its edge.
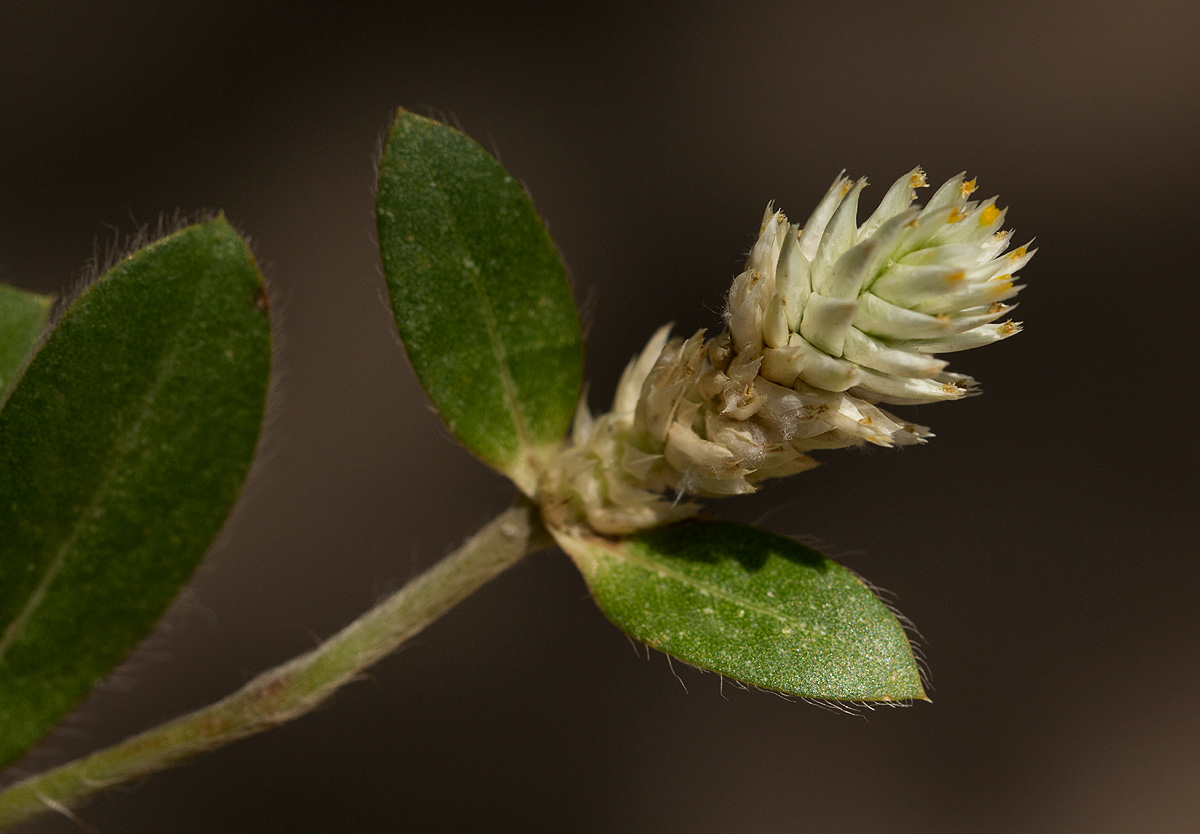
(967, 187)
(988, 216)
(917, 180)
(956, 276)
(951, 388)
(1009, 328)
(866, 421)
(846, 186)
(1019, 252)
(996, 307)
(955, 216)
(1004, 277)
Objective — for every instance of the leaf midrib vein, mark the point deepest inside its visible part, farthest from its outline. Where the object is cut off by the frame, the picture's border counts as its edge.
(507, 384)
(127, 441)
(716, 591)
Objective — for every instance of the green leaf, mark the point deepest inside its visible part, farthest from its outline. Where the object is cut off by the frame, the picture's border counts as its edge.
(479, 294)
(22, 317)
(122, 449)
(753, 605)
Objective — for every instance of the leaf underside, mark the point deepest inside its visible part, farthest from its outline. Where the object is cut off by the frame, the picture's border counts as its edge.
(751, 604)
(479, 293)
(122, 449)
(22, 317)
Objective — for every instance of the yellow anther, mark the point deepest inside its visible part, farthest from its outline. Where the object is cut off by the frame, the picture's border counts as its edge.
(1018, 252)
(917, 180)
(955, 216)
(1009, 327)
(988, 215)
(1004, 277)
(967, 187)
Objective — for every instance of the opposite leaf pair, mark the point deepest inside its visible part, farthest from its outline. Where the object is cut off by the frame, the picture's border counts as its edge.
(826, 322)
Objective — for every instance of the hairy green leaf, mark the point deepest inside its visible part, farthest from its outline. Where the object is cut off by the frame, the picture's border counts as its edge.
(480, 295)
(22, 317)
(751, 604)
(122, 449)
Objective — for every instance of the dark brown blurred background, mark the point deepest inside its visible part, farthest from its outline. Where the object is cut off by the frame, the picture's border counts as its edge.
(1043, 542)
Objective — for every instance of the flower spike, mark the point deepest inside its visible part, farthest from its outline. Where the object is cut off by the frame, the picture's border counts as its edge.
(826, 322)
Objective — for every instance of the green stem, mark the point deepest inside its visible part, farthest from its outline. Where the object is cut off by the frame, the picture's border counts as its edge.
(290, 690)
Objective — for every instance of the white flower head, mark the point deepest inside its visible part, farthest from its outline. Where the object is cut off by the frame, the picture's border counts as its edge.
(826, 321)
(843, 307)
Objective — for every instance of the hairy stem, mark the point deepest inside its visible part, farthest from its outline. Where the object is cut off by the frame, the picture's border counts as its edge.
(288, 691)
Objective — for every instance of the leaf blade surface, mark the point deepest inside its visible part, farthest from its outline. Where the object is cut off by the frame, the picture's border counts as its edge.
(122, 449)
(479, 294)
(751, 604)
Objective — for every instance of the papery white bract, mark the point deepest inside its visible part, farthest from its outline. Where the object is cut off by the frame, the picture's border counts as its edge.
(843, 307)
(827, 321)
